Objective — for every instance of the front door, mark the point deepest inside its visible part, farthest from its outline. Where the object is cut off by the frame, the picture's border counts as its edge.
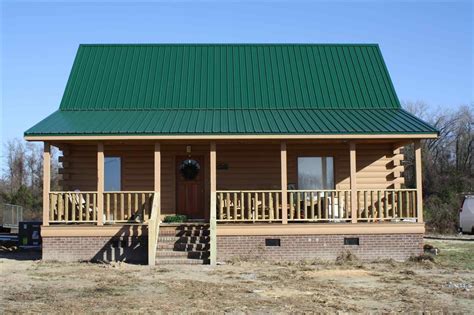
(190, 186)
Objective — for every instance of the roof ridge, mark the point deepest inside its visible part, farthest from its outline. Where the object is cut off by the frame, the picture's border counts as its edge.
(229, 44)
(225, 109)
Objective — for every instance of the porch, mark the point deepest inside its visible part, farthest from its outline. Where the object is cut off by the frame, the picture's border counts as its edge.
(244, 184)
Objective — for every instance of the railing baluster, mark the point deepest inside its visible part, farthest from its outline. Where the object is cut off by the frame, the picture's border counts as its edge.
(277, 205)
(122, 206)
(400, 204)
(270, 206)
(263, 217)
(255, 213)
(249, 206)
(311, 195)
(242, 206)
(115, 207)
(66, 207)
(385, 206)
(227, 206)
(292, 205)
(87, 207)
(298, 205)
(318, 194)
(366, 210)
(107, 207)
(407, 204)
(379, 203)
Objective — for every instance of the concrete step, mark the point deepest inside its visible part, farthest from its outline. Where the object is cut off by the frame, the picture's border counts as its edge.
(180, 261)
(182, 254)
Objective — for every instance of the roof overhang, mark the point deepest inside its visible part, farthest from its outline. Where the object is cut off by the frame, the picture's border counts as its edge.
(231, 137)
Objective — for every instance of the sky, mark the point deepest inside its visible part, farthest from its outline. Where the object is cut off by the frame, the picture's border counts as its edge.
(427, 45)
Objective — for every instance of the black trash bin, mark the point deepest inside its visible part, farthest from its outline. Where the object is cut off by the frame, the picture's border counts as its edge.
(29, 233)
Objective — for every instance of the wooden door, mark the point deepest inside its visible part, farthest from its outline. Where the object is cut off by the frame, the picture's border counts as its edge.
(190, 186)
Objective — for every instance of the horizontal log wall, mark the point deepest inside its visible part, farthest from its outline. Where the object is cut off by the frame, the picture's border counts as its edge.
(250, 166)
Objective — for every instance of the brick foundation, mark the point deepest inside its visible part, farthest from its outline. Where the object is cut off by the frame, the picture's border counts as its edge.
(95, 248)
(325, 247)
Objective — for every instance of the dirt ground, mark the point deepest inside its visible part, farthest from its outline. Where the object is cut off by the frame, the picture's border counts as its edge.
(445, 285)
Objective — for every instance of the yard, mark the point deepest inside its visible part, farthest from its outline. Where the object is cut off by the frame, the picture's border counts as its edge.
(348, 286)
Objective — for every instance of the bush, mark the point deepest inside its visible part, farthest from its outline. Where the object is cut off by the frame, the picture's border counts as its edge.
(442, 216)
(175, 218)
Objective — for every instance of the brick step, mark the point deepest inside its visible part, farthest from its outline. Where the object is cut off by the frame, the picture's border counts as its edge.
(180, 261)
(182, 254)
(183, 246)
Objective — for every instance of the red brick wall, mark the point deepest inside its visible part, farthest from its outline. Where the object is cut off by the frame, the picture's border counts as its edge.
(96, 248)
(325, 247)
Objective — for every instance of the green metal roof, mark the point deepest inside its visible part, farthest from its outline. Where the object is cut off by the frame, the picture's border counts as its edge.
(235, 121)
(227, 89)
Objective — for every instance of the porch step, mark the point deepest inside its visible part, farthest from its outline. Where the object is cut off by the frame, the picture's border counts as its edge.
(180, 261)
(183, 244)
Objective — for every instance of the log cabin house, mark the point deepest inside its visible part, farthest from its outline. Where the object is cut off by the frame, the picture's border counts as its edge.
(270, 151)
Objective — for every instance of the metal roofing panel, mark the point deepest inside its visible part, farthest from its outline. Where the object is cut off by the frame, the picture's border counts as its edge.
(231, 121)
(229, 76)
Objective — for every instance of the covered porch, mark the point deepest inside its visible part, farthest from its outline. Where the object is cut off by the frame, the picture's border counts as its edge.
(237, 182)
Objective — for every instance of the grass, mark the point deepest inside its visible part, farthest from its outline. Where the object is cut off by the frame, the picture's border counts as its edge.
(454, 254)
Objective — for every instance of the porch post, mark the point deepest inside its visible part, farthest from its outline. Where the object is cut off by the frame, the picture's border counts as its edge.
(46, 182)
(100, 183)
(157, 176)
(213, 216)
(419, 187)
(353, 180)
(284, 183)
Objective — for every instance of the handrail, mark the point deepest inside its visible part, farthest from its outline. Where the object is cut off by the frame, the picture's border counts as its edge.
(153, 228)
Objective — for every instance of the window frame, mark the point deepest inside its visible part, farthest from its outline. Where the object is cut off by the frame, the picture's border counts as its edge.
(334, 163)
(121, 171)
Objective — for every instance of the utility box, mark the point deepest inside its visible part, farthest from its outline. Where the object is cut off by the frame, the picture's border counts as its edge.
(29, 233)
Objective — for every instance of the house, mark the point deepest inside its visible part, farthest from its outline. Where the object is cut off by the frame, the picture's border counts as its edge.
(271, 151)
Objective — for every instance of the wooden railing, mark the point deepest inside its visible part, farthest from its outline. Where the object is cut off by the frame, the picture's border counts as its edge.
(73, 207)
(319, 205)
(387, 205)
(249, 205)
(153, 229)
(127, 206)
(82, 207)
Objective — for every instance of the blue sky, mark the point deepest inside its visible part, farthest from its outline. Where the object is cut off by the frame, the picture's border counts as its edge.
(428, 46)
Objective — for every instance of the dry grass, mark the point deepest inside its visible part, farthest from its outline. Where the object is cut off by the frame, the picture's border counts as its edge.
(242, 287)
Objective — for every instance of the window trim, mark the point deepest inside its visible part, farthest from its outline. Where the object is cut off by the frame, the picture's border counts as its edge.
(121, 170)
(334, 163)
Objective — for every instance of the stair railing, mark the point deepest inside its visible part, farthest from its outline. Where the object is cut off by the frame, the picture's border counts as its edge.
(153, 229)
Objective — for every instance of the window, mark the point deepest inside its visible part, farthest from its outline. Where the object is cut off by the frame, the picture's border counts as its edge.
(315, 173)
(113, 176)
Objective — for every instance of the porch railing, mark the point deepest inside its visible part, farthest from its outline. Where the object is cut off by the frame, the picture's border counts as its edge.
(126, 206)
(317, 205)
(249, 205)
(387, 205)
(82, 207)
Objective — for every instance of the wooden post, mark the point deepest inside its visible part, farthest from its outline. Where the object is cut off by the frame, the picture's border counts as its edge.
(46, 182)
(157, 177)
(419, 187)
(100, 184)
(213, 223)
(353, 180)
(284, 183)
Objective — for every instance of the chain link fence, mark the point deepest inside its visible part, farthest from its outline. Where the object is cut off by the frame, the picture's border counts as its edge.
(11, 215)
